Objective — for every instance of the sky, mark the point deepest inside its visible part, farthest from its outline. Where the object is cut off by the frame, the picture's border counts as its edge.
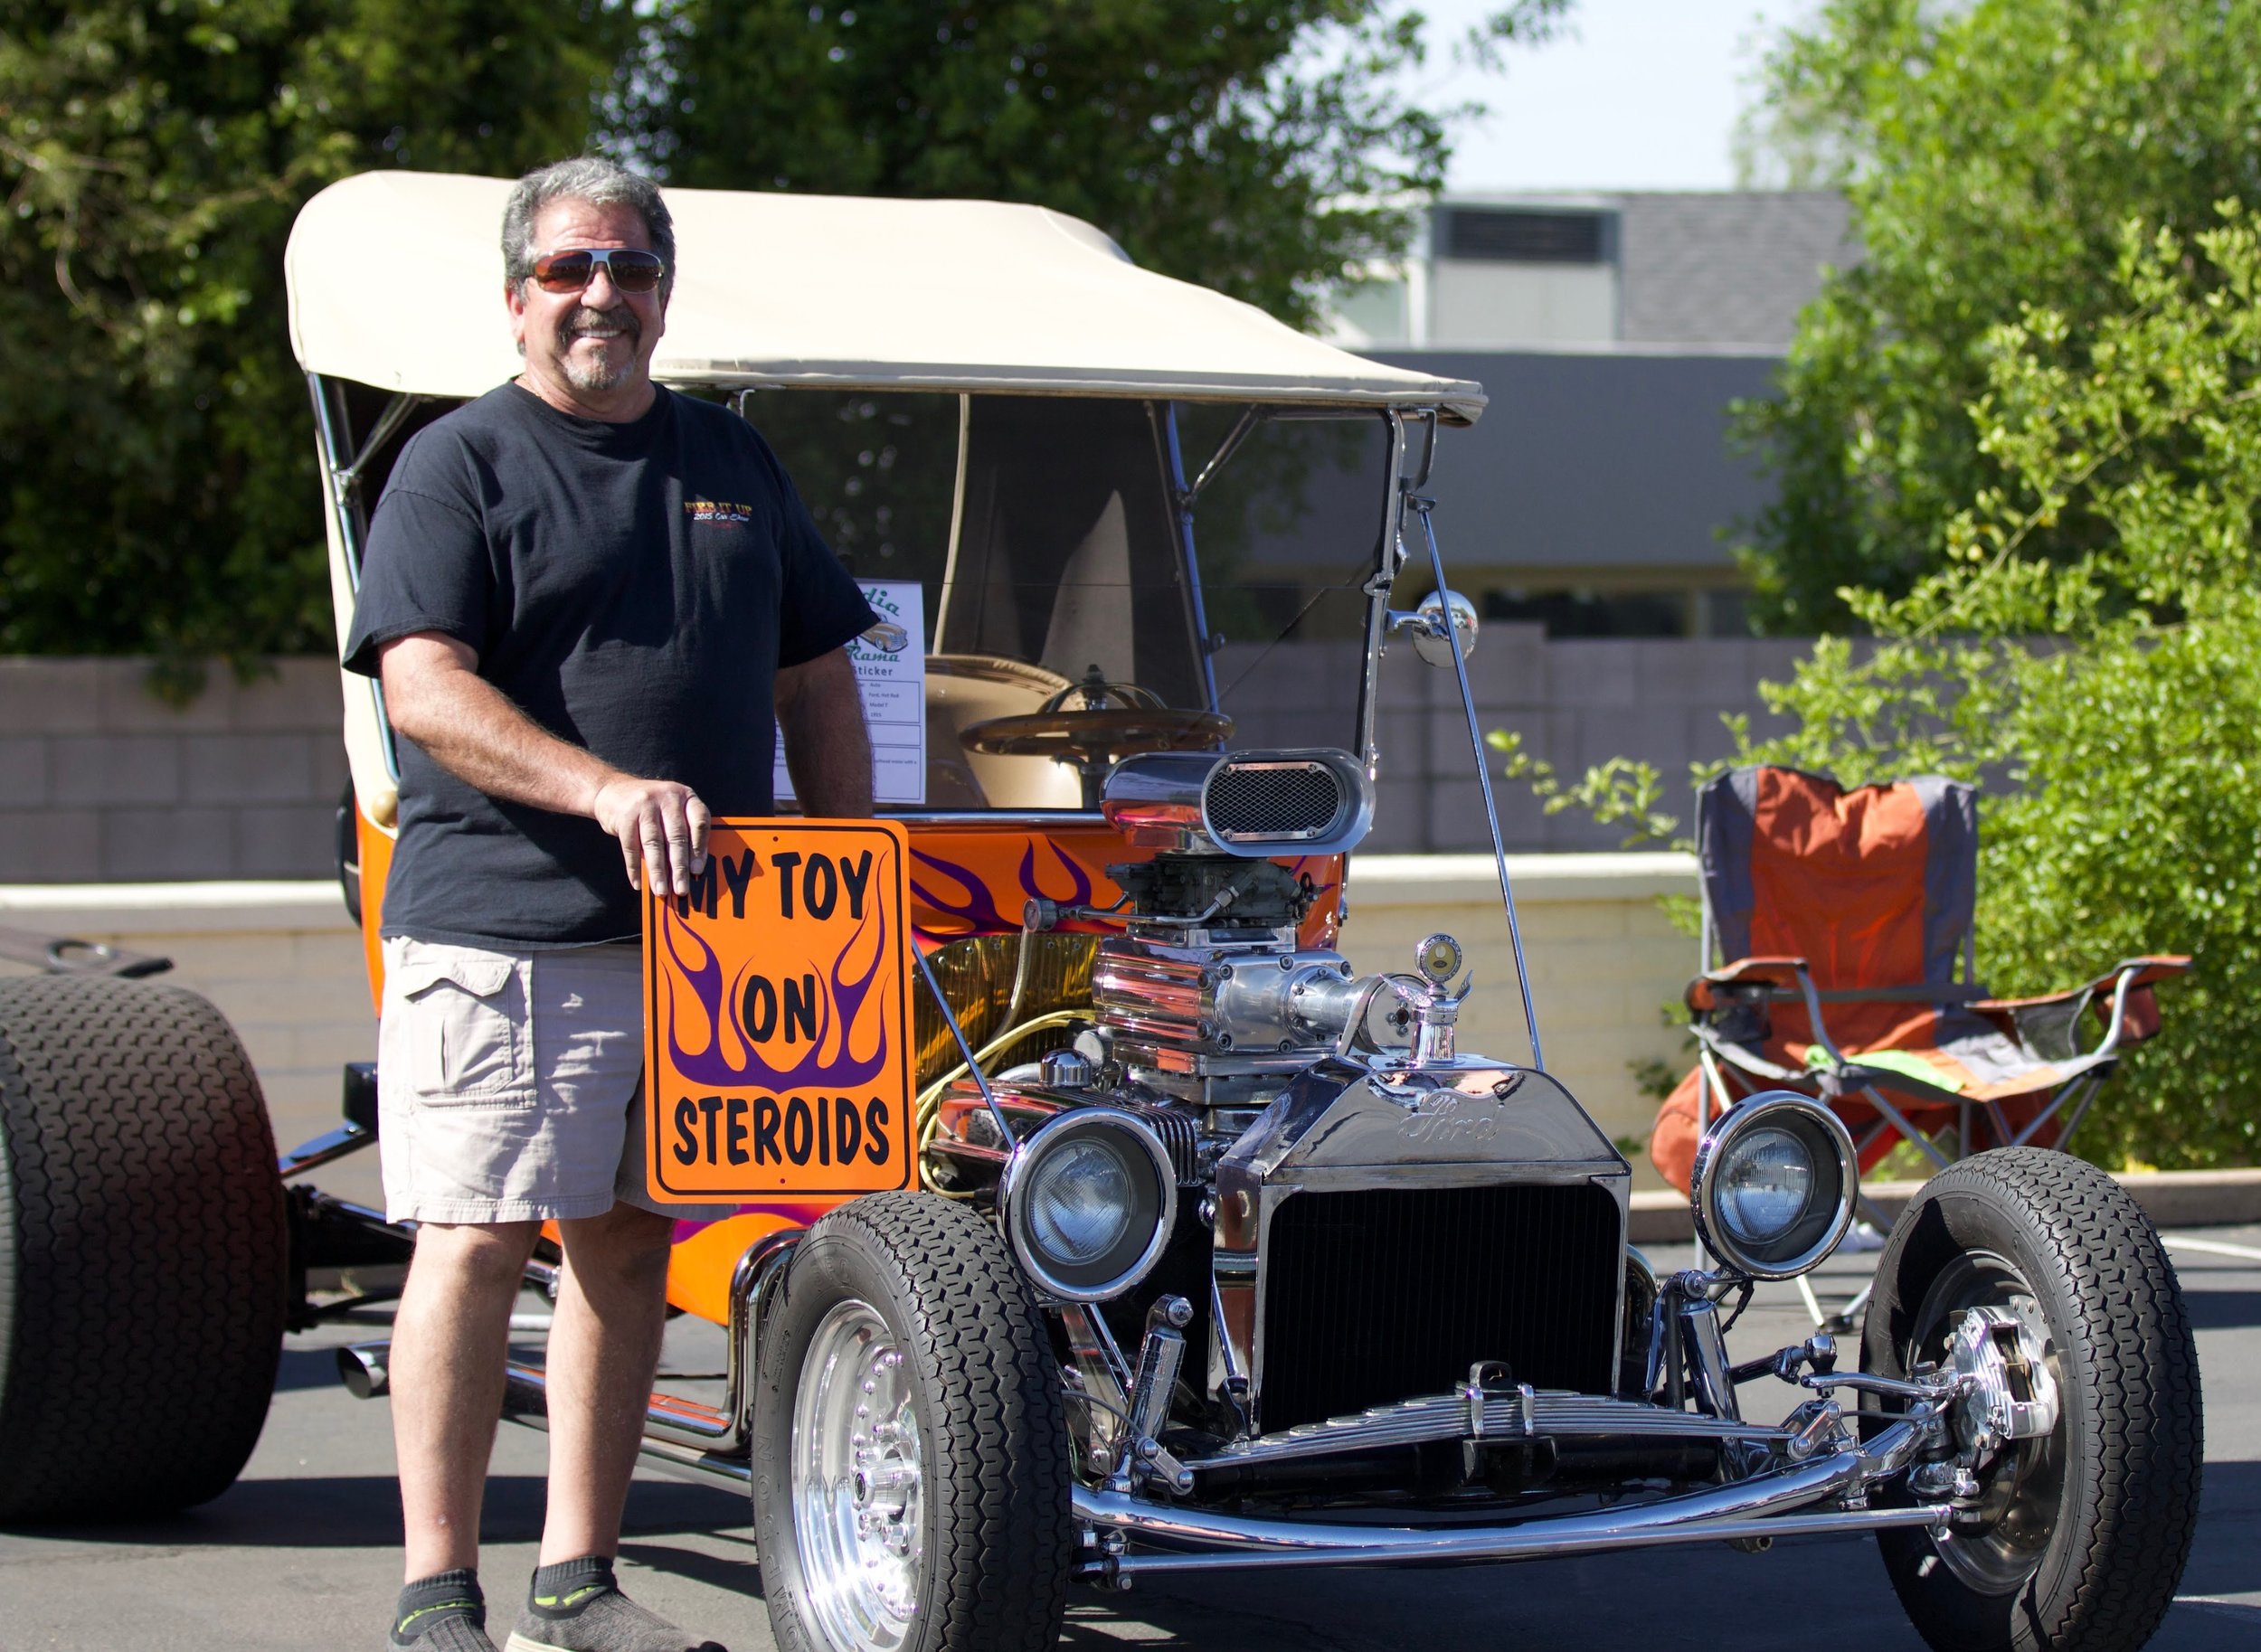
(1643, 94)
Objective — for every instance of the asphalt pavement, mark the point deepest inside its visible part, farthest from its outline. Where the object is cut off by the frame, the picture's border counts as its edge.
(302, 1552)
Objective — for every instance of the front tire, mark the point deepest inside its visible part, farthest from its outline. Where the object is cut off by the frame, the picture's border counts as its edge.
(910, 1474)
(2080, 1537)
(144, 1251)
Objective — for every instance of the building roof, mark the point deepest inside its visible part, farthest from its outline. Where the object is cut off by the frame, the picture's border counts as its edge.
(1726, 267)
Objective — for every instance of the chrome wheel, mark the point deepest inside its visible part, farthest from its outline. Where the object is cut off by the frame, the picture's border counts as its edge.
(1995, 1546)
(2076, 1536)
(858, 1487)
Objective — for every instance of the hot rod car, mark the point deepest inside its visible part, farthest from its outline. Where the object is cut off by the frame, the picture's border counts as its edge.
(1211, 1253)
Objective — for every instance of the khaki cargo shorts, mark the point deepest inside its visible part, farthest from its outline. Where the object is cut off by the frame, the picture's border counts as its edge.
(510, 1083)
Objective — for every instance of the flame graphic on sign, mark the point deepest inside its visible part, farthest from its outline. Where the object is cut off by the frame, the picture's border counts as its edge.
(846, 1006)
(976, 907)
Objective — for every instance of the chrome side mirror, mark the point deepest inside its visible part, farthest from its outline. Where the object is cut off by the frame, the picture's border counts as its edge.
(1430, 639)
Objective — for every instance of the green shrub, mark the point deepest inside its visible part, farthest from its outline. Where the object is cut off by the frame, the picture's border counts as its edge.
(2108, 703)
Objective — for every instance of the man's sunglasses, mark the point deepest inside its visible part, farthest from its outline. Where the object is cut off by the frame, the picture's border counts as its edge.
(633, 269)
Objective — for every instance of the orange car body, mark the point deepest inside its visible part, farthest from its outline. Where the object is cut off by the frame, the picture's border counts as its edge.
(966, 881)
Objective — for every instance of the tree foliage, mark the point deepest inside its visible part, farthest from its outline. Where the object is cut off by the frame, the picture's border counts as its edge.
(156, 487)
(1259, 148)
(1991, 153)
(2085, 651)
(155, 433)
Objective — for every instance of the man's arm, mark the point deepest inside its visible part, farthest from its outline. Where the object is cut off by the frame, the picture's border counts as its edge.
(827, 750)
(434, 695)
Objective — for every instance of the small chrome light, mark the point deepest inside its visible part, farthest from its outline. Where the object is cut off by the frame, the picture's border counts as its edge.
(1773, 1184)
(1088, 1201)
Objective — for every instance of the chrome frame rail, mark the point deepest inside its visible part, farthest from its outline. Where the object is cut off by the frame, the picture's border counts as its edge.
(526, 1401)
(1507, 1414)
(676, 1427)
(1758, 1508)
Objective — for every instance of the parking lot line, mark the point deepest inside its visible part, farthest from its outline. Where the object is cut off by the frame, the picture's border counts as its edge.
(2212, 1247)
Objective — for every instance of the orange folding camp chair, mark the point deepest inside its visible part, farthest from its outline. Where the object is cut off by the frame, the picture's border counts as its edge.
(1839, 959)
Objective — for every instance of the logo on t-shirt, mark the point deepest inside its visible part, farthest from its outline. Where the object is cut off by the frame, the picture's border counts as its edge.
(717, 510)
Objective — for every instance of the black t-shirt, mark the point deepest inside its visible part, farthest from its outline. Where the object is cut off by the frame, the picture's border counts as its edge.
(633, 588)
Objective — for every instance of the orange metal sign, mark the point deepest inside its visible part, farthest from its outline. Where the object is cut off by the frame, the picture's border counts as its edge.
(777, 1025)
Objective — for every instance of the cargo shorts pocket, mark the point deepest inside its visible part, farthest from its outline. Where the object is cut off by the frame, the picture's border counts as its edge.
(469, 1035)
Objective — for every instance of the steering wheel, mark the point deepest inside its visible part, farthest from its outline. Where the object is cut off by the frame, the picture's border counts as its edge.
(1114, 721)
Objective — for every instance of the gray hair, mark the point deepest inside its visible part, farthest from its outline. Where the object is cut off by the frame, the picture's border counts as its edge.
(600, 183)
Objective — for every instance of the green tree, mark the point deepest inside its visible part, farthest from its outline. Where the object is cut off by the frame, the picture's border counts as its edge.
(156, 484)
(1991, 153)
(157, 481)
(1262, 149)
(2100, 685)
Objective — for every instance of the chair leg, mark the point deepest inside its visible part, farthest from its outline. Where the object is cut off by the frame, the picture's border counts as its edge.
(1713, 1079)
(2085, 1088)
(1813, 1303)
(1835, 1321)
(2090, 1091)
(1845, 1317)
(1908, 1132)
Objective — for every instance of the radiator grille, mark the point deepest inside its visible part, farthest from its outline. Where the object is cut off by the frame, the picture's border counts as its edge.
(1283, 800)
(1383, 1294)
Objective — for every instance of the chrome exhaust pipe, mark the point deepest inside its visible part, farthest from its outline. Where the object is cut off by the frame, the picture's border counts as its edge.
(361, 1367)
(1754, 1509)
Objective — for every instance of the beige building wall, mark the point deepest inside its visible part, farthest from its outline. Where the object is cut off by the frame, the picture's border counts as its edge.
(1605, 962)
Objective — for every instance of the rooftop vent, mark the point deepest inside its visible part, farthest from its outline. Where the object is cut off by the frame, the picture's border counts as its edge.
(1499, 236)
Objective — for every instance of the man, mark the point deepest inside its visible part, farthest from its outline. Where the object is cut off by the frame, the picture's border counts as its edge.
(584, 596)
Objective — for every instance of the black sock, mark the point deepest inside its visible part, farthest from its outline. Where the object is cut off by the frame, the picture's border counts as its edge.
(432, 1601)
(563, 1589)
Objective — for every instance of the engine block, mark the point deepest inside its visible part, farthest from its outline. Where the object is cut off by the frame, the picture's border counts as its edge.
(1217, 1011)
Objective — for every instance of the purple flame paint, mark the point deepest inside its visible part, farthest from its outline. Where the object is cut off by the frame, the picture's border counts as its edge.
(840, 1001)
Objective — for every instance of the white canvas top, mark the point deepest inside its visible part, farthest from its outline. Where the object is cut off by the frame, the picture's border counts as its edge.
(396, 280)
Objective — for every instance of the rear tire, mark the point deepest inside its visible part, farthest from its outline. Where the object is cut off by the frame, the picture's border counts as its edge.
(144, 1251)
(2084, 1534)
(909, 1446)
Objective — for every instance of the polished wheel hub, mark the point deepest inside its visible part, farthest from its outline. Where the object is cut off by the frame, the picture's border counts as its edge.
(857, 1481)
(1998, 1536)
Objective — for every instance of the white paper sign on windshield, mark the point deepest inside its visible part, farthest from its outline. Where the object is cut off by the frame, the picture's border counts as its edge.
(890, 662)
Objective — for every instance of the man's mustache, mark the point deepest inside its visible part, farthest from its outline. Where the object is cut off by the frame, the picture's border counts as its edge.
(586, 320)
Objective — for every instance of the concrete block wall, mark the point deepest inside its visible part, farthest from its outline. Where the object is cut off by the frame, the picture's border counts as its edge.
(1575, 701)
(100, 781)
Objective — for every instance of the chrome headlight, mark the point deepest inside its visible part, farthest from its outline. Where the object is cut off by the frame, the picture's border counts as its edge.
(1774, 1183)
(1088, 1200)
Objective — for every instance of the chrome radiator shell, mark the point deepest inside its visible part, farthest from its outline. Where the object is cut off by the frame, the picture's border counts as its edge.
(1346, 1125)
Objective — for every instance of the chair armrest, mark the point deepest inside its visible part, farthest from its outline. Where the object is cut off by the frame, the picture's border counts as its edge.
(1783, 975)
(1784, 972)
(2146, 971)
(2132, 1016)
